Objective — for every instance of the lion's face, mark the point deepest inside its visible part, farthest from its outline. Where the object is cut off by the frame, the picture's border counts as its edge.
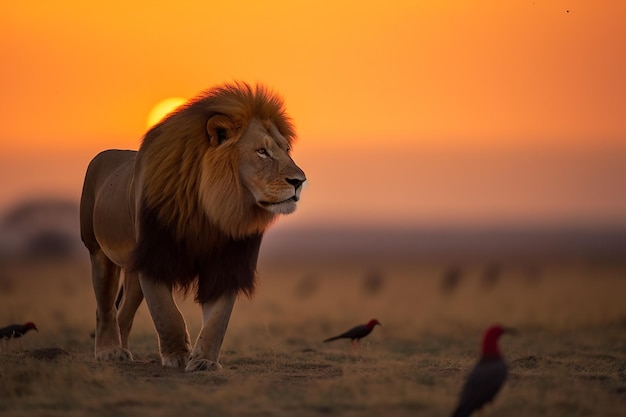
(247, 176)
(266, 170)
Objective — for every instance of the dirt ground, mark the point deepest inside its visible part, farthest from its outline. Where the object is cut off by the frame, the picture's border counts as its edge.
(567, 359)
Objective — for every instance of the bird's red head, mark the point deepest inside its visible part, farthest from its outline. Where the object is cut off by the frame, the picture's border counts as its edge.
(490, 340)
(31, 325)
(373, 322)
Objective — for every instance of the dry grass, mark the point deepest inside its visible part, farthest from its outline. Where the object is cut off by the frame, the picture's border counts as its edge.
(569, 358)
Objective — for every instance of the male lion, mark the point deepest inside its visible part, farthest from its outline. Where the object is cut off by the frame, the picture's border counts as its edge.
(187, 210)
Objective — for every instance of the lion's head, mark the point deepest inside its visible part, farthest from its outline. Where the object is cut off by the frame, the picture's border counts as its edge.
(224, 158)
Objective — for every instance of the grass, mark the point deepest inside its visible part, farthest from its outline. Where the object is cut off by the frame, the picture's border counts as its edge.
(568, 358)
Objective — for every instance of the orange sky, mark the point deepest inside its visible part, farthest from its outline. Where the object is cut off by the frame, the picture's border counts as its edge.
(452, 80)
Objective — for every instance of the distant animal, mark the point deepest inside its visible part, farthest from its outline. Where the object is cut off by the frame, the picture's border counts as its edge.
(15, 331)
(451, 279)
(307, 286)
(373, 282)
(356, 333)
(188, 211)
(487, 376)
(491, 275)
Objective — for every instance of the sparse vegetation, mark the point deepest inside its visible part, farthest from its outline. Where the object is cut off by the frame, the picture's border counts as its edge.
(568, 359)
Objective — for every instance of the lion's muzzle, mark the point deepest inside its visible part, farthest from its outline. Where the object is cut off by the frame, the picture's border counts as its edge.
(287, 205)
(296, 182)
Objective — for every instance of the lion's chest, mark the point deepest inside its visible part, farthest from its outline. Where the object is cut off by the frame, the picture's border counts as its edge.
(220, 264)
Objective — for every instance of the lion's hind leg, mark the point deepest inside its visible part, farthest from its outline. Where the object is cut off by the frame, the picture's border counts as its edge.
(105, 276)
(132, 296)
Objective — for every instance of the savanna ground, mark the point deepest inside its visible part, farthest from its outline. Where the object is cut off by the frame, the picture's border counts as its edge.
(568, 358)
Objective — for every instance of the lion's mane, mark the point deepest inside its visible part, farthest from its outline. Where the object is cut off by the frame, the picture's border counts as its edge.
(194, 218)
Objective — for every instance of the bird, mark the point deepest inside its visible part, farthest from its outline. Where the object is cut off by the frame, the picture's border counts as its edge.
(357, 332)
(15, 331)
(487, 377)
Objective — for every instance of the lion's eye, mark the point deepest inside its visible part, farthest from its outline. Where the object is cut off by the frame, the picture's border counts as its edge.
(263, 153)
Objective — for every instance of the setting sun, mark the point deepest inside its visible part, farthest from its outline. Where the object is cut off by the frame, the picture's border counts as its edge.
(162, 109)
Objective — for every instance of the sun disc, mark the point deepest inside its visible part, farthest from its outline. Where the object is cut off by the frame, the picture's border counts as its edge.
(162, 109)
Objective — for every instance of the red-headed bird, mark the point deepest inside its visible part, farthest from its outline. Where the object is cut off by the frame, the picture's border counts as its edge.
(487, 377)
(14, 331)
(356, 333)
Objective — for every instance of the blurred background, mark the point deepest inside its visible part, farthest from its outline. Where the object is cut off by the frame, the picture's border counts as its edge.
(427, 129)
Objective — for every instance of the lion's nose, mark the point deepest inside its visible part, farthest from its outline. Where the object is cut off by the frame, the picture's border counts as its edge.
(296, 182)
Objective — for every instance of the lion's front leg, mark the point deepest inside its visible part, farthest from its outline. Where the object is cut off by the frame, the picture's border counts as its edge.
(170, 325)
(215, 317)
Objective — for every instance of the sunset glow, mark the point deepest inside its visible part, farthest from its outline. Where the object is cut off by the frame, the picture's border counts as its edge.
(162, 109)
(460, 84)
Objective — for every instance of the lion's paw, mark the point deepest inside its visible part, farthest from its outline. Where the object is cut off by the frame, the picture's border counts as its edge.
(175, 360)
(203, 365)
(114, 354)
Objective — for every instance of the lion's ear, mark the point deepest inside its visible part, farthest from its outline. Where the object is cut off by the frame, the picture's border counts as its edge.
(220, 128)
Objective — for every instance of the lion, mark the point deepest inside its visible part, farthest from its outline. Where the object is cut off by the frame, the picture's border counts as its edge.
(188, 210)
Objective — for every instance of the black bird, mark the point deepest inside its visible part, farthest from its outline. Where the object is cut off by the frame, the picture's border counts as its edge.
(14, 331)
(487, 377)
(356, 333)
